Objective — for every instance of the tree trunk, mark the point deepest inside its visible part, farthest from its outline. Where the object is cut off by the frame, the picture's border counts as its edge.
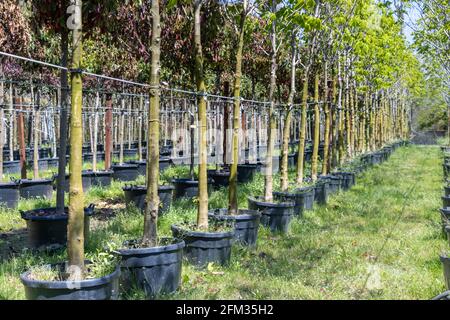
(21, 137)
(37, 123)
(326, 107)
(108, 132)
(268, 186)
(202, 215)
(151, 210)
(287, 123)
(95, 133)
(232, 191)
(316, 138)
(140, 118)
(75, 227)
(302, 138)
(11, 123)
(61, 180)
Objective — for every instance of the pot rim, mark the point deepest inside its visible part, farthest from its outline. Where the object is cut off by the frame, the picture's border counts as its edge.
(180, 244)
(249, 215)
(201, 234)
(27, 215)
(286, 204)
(73, 285)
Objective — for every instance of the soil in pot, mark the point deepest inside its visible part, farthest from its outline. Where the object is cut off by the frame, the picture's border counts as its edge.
(446, 267)
(246, 172)
(156, 270)
(41, 188)
(9, 195)
(125, 172)
(246, 224)
(137, 196)
(185, 188)
(48, 230)
(219, 178)
(204, 247)
(101, 288)
(276, 216)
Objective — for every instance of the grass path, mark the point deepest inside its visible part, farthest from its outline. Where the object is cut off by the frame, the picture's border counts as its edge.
(380, 240)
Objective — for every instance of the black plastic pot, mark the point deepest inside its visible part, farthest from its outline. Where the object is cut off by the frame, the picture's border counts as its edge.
(276, 216)
(102, 178)
(137, 195)
(246, 224)
(130, 152)
(321, 192)
(53, 162)
(334, 183)
(125, 172)
(377, 158)
(142, 166)
(447, 230)
(9, 195)
(185, 188)
(443, 296)
(445, 214)
(48, 229)
(104, 288)
(219, 178)
(447, 190)
(348, 179)
(11, 167)
(164, 163)
(308, 194)
(36, 188)
(246, 172)
(296, 198)
(87, 178)
(205, 247)
(446, 267)
(156, 270)
(42, 164)
(445, 201)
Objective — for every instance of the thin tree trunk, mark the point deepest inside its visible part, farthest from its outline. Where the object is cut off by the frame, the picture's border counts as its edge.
(95, 136)
(302, 138)
(287, 124)
(316, 138)
(61, 180)
(326, 107)
(21, 137)
(232, 191)
(202, 215)
(11, 123)
(108, 132)
(75, 227)
(151, 210)
(37, 123)
(141, 109)
(268, 186)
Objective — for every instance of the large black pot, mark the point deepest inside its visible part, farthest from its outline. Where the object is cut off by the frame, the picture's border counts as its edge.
(130, 153)
(446, 267)
(156, 270)
(246, 224)
(42, 164)
(246, 172)
(219, 178)
(376, 158)
(334, 182)
(205, 247)
(137, 196)
(164, 163)
(348, 179)
(276, 216)
(104, 288)
(308, 194)
(447, 230)
(142, 166)
(11, 167)
(445, 201)
(53, 162)
(445, 214)
(87, 178)
(185, 188)
(297, 198)
(36, 188)
(321, 192)
(102, 178)
(48, 229)
(9, 195)
(125, 172)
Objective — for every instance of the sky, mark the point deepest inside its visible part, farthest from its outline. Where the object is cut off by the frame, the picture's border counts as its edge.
(410, 23)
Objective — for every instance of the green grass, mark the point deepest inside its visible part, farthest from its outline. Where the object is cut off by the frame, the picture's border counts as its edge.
(380, 240)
